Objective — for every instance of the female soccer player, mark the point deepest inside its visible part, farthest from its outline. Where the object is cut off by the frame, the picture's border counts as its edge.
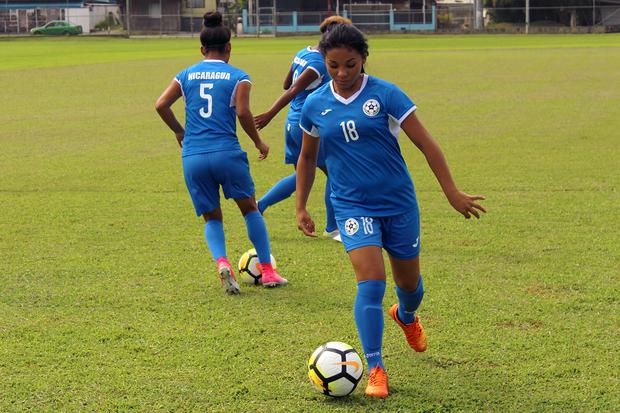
(307, 73)
(358, 118)
(214, 92)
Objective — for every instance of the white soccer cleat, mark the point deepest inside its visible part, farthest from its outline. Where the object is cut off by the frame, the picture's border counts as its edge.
(335, 235)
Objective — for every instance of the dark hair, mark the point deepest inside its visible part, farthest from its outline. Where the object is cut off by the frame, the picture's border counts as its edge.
(214, 36)
(331, 22)
(344, 35)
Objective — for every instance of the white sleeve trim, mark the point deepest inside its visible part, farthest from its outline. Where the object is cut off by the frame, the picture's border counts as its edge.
(315, 70)
(233, 95)
(402, 118)
(181, 86)
(314, 132)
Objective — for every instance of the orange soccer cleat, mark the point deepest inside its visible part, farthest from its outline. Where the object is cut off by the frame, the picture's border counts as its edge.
(377, 383)
(414, 332)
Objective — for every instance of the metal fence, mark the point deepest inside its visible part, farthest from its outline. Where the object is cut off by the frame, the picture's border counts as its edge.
(110, 20)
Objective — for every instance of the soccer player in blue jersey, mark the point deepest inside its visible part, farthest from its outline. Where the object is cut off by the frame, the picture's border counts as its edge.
(306, 74)
(214, 92)
(358, 118)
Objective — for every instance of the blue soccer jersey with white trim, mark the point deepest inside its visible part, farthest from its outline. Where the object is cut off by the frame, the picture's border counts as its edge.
(359, 135)
(210, 115)
(307, 59)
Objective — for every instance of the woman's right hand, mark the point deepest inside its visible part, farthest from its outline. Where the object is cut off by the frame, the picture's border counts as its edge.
(263, 148)
(262, 120)
(180, 136)
(305, 223)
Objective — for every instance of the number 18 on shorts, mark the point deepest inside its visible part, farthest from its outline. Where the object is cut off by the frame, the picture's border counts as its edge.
(399, 235)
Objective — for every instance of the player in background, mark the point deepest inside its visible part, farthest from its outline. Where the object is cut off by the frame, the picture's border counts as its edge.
(372, 191)
(214, 92)
(306, 74)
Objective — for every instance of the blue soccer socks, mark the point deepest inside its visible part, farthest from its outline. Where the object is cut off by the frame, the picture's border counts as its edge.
(330, 217)
(409, 301)
(214, 235)
(368, 313)
(257, 232)
(279, 192)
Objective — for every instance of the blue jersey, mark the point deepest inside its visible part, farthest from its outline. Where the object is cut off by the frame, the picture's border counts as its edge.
(210, 115)
(307, 59)
(359, 135)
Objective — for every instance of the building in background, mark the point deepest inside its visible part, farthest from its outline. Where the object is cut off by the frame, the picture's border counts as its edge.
(19, 16)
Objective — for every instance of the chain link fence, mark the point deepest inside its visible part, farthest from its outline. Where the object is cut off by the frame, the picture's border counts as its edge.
(455, 18)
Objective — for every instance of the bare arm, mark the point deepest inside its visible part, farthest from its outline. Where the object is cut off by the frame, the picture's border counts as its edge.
(288, 80)
(307, 77)
(462, 202)
(163, 106)
(242, 102)
(306, 170)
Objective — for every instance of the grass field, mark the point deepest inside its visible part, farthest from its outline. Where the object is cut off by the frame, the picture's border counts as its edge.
(108, 298)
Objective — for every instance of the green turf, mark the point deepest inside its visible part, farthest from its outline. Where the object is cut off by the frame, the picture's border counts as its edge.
(109, 302)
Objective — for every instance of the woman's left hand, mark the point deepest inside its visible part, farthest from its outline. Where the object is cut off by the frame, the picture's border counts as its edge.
(466, 204)
(262, 120)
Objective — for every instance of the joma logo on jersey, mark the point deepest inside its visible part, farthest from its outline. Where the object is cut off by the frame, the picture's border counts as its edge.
(371, 107)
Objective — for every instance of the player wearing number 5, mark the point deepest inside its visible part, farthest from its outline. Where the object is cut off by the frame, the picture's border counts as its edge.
(214, 92)
(358, 117)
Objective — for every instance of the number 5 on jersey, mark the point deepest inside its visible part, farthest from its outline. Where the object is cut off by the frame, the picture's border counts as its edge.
(208, 97)
(349, 131)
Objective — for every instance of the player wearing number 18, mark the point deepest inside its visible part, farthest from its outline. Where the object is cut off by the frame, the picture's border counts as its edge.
(357, 118)
(214, 93)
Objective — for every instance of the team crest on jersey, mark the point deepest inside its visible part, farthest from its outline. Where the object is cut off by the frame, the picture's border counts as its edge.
(351, 226)
(371, 107)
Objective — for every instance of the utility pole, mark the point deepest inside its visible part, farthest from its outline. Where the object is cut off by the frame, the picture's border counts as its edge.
(527, 16)
(257, 18)
(275, 19)
(128, 19)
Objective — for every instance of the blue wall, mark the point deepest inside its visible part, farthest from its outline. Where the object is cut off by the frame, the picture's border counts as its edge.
(295, 28)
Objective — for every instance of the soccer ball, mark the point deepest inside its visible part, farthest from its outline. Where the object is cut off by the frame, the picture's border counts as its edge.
(249, 268)
(335, 369)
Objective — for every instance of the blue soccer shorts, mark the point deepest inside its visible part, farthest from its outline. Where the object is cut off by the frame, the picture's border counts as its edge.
(204, 174)
(293, 137)
(399, 235)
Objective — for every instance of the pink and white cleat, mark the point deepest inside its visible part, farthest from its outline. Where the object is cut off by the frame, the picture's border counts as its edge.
(270, 277)
(227, 277)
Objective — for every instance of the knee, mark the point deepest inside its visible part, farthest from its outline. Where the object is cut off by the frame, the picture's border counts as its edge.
(249, 208)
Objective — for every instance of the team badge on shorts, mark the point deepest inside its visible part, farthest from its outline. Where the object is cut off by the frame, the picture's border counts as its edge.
(371, 107)
(351, 226)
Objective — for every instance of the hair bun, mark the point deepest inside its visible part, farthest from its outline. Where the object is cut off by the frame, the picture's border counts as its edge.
(212, 19)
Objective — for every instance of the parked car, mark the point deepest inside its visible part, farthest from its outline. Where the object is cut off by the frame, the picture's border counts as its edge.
(57, 27)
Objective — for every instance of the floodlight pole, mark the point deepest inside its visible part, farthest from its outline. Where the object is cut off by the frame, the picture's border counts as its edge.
(257, 18)
(527, 16)
(593, 12)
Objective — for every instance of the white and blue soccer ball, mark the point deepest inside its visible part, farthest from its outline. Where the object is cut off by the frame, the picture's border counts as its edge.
(249, 267)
